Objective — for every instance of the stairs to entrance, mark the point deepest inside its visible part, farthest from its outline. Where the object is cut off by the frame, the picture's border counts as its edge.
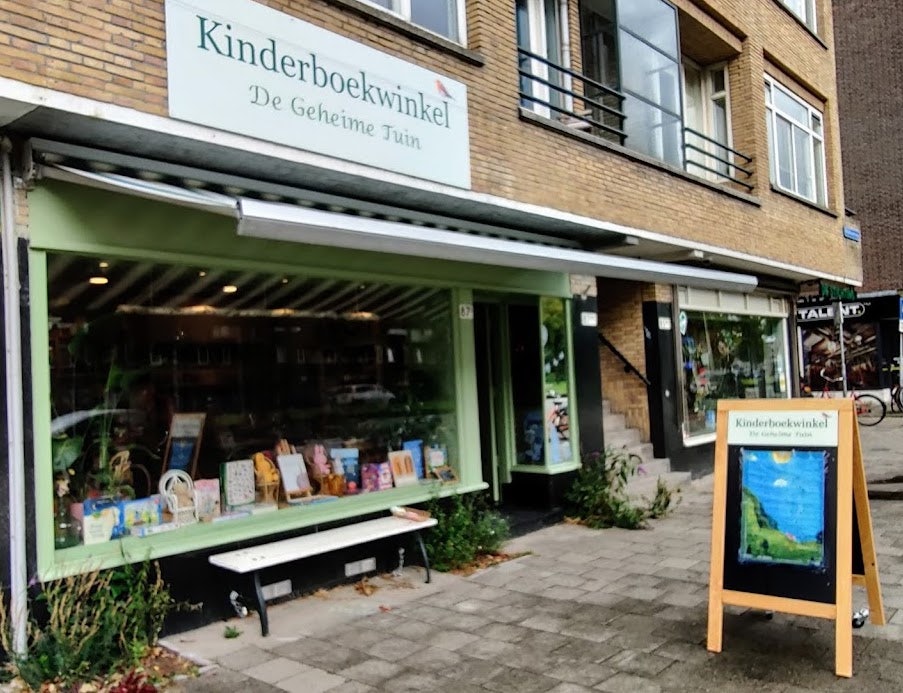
(645, 479)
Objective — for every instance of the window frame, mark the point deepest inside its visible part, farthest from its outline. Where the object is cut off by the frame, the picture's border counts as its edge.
(402, 10)
(819, 168)
(541, 35)
(709, 95)
(809, 17)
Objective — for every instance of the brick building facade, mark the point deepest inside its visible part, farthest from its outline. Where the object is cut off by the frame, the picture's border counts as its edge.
(664, 174)
(869, 92)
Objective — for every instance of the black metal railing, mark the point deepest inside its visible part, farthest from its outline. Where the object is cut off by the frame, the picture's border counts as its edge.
(628, 366)
(708, 156)
(587, 105)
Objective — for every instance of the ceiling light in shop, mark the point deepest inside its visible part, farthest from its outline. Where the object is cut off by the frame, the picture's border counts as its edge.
(230, 289)
(285, 280)
(103, 264)
(202, 273)
(98, 281)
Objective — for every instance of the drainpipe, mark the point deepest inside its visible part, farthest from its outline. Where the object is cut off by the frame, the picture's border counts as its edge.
(565, 23)
(15, 449)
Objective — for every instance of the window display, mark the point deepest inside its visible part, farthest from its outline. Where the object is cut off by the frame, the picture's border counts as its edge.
(729, 356)
(264, 392)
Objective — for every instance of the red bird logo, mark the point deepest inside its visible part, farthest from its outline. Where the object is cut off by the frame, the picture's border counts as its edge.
(443, 92)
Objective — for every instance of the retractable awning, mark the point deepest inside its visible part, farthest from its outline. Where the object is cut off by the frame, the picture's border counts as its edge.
(298, 223)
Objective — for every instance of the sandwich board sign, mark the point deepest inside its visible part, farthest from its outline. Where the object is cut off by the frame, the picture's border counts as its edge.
(791, 527)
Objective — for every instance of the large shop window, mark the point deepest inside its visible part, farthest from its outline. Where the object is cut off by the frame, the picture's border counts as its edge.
(729, 356)
(268, 391)
(795, 144)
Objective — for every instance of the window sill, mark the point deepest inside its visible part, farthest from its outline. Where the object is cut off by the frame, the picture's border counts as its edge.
(559, 468)
(699, 439)
(528, 115)
(803, 24)
(802, 200)
(196, 537)
(413, 31)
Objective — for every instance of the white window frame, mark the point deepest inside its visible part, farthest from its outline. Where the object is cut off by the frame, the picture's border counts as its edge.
(807, 16)
(402, 10)
(820, 186)
(709, 96)
(539, 44)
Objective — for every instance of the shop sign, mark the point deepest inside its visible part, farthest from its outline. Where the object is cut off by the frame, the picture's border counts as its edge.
(814, 290)
(826, 312)
(901, 315)
(239, 66)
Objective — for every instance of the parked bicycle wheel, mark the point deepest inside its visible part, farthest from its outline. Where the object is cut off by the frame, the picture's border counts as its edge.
(896, 398)
(870, 410)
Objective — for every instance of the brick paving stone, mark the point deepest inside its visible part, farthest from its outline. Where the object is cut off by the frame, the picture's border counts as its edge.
(562, 593)
(320, 653)
(584, 673)
(352, 687)
(313, 681)
(627, 683)
(638, 662)
(372, 672)
(520, 681)
(570, 688)
(245, 658)
(452, 639)
(487, 648)
(275, 670)
(431, 659)
(413, 681)
(475, 671)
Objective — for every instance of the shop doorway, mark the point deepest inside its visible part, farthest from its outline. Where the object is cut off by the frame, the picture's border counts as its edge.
(509, 393)
(489, 336)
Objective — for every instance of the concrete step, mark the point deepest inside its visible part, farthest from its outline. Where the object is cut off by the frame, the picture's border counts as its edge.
(654, 468)
(627, 437)
(612, 423)
(639, 487)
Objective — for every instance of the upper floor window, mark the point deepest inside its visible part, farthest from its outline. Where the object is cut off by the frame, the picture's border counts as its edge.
(804, 9)
(707, 121)
(795, 144)
(444, 17)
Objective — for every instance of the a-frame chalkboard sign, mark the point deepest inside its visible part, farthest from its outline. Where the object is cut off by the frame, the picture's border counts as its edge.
(791, 525)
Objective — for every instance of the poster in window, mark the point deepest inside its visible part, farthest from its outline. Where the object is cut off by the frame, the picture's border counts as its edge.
(184, 442)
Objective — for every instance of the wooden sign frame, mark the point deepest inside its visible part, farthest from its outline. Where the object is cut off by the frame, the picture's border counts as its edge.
(845, 492)
(185, 429)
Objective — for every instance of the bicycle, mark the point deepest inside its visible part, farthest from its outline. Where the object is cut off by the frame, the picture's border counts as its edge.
(870, 410)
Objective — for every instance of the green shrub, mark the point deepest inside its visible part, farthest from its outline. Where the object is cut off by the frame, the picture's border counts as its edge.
(599, 495)
(88, 626)
(467, 529)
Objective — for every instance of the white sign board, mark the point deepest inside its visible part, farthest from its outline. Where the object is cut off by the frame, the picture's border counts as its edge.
(239, 66)
(786, 428)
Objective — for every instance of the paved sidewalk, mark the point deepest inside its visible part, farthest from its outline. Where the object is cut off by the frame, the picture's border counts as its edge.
(612, 610)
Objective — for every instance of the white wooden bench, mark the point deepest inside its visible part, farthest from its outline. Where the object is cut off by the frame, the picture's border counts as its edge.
(257, 558)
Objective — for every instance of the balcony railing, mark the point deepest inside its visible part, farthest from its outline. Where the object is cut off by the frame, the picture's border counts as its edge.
(581, 103)
(712, 159)
(572, 99)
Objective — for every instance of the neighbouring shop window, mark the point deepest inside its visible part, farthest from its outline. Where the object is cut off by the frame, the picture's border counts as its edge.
(729, 356)
(554, 335)
(267, 391)
(821, 357)
(540, 381)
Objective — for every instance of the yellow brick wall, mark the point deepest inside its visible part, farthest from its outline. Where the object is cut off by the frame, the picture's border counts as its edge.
(113, 51)
(621, 321)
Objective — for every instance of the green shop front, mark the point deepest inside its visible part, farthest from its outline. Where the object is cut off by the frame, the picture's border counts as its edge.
(166, 338)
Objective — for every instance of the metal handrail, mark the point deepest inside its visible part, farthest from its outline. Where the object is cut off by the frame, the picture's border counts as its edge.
(593, 103)
(628, 366)
(729, 163)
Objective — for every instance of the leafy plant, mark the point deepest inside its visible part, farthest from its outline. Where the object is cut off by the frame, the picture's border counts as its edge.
(91, 625)
(134, 682)
(599, 494)
(231, 632)
(467, 529)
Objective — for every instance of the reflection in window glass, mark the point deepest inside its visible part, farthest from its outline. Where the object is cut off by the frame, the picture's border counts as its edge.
(527, 383)
(729, 356)
(653, 21)
(554, 335)
(440, 16)
(343, 372)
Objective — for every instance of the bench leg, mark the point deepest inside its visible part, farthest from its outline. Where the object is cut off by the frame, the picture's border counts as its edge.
(261, 606)
(426, 560)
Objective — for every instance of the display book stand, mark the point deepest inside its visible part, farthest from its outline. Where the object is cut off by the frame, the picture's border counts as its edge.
(850, 559)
